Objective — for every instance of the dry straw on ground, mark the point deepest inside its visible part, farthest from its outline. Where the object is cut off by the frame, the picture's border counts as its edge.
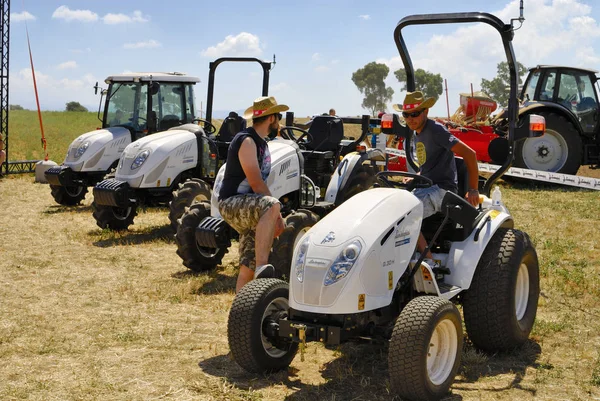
(90, 314)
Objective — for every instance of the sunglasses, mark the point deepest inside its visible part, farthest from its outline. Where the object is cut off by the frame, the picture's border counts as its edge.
(279, 116)
(414, 114)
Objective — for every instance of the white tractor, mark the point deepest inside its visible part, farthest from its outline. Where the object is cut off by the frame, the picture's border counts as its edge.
(357, 274)
(136, 105)
(308, 178)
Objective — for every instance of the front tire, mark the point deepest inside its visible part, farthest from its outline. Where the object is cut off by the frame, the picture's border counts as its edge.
(425, 349)
(257, 308)
(296, 225)
(501, 303)
(558, 151)
(191, 191)
(195, 257)
(114, 218)
(68, 196)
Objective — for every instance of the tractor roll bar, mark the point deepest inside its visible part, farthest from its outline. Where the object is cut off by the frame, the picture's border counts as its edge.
(506, 33)
(266, 66)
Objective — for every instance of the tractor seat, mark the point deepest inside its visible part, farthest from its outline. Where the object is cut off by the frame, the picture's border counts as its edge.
(230, 127)
(327, 133)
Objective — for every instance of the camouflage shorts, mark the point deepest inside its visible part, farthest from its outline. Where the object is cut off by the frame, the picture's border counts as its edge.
(242, 212)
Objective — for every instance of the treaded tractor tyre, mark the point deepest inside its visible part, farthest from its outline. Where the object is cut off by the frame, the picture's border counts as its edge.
(501, 303)
(188, 193)
(114, 218)
(194, 257)
(68, 196)
(425, 349)
(559, 150)
(362, 179)
(258, 306)
(296, 225)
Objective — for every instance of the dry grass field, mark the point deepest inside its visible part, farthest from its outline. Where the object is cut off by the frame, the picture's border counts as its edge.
(87, 314)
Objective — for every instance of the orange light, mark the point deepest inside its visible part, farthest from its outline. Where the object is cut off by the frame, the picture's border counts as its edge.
(361, 148)
(213, 156)
(537, 126)
(386, 124)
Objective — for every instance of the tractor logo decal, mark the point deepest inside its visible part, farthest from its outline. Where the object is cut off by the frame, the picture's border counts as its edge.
(328, 238)
(284, 167)
(421, 154)
(403, 242)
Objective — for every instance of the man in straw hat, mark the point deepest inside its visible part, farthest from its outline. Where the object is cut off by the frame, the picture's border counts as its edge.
(435, 153)
(245, 201)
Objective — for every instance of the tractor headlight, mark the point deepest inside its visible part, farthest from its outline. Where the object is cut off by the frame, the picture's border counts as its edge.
(344, 262)
(81, 149)
(140, 159)
(301, 259)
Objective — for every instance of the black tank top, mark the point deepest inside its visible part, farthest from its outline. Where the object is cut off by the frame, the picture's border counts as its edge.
(235, 182)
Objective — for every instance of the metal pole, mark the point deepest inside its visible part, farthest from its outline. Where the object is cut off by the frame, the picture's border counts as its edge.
(447, 102)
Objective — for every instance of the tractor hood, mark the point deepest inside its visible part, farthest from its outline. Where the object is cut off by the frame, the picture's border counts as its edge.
(97, 150)
(358, 250)
(156, 160)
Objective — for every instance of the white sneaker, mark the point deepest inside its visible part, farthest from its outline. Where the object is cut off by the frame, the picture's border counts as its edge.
(264, 271)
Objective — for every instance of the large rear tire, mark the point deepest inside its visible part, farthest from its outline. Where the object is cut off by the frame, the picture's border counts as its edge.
(195, 257)
(296, 225)
(68, 196)
(559, 150)
(114, 218)
(191, 191)
(256, 309)
(425, 349)
(501, 303)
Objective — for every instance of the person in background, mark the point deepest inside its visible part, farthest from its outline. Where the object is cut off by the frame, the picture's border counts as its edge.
(245, 201)
(117, 120)
(435, 153)
(2, 154)
(332, 112)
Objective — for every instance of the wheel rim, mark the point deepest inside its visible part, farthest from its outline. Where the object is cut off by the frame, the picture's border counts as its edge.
(73, 191)
(207, 253)
(276, 305)
(121, 213)
(522, 291)
(441, 355)
(547, 153)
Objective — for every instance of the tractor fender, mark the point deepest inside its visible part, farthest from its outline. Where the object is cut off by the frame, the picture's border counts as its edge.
(464, 255)
(342, 174)
(539, 107)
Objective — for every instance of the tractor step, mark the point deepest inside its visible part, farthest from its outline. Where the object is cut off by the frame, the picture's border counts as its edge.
(448, 290)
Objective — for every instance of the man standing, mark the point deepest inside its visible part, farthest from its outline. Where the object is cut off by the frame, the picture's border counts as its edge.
(435, 153)
(245, 201)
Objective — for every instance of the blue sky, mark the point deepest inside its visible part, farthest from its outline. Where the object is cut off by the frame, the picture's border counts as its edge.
(318, 45)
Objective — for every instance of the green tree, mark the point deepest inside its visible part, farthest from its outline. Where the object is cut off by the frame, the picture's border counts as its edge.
(370, 81)
(497, 88)
(427, 82)
(15, 107)
(75, 106)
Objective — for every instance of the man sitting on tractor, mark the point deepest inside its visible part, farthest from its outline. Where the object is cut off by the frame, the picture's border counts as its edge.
(245, 201)
(435, 153)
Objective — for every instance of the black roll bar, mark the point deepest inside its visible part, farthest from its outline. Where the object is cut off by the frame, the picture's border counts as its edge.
(266, 66)
(506, 33)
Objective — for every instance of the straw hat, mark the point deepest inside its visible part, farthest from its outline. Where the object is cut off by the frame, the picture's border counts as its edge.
(414, 101)
(264, 106)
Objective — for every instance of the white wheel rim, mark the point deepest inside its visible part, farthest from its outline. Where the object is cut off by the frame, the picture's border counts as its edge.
(276, 305)
(547, 153)
(443, 347)
(522, 291)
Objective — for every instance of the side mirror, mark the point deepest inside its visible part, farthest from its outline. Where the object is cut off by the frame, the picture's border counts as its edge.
(532, 126)
(391, 125)
(96, 88)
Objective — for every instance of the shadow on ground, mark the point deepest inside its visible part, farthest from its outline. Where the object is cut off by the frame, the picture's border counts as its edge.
(216, 282)
(56, 209)
(110, 238)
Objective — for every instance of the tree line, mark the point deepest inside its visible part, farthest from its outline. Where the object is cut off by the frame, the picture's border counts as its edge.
(370, 81)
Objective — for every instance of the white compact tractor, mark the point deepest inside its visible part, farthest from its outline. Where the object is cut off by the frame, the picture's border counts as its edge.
(136, 105)
(357, 274)
(175, 167)
(306, 176)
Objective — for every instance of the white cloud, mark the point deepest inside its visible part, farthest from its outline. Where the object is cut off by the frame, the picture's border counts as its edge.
(24, 16)
(112, 19)
(316, 57)
(149, 44)
(280, 87)
(364, 17)
(243, 44)
(64, 12)
(67, 65)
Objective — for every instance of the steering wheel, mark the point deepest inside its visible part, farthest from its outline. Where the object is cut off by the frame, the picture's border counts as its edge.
(209, 128)
(417, 181)
(288, 133)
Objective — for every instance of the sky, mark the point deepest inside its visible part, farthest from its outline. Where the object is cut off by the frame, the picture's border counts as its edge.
(318, 44)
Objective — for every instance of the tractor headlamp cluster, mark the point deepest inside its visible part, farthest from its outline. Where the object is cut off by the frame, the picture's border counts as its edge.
(301, 258)
(81, 149)
(343, 263)
(140, 158)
